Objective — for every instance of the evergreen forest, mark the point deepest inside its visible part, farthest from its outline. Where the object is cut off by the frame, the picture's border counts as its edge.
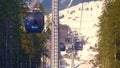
(18, 49)
(109, 35)
(21, 50)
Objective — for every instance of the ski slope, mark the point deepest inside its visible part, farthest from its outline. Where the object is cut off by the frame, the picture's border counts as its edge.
(88, 17)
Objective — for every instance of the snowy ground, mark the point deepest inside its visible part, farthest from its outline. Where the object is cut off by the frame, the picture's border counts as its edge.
(72, 17)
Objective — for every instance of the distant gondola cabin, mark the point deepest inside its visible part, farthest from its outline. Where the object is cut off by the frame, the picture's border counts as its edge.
(78, 45)
(62, 47)
(34, 21)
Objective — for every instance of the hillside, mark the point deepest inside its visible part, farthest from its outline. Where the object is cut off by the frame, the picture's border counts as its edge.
(90, 13)
(84, 20)
(63, 4)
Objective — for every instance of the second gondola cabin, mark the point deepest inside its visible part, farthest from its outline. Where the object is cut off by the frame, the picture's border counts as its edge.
(78, 45)
(62, 46)
(34, 21)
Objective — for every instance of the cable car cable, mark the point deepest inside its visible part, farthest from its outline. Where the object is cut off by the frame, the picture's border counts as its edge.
(81, 19)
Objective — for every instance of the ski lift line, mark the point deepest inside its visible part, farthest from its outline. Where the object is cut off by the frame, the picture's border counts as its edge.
(81, 19)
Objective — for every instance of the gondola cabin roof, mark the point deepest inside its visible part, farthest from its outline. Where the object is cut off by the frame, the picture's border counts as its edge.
(35, 13)
(35, 10)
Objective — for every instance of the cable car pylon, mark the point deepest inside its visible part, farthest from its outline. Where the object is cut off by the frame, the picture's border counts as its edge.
(55, 35)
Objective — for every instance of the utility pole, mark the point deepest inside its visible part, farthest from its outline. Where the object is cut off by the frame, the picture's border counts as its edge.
(73, 50)
(55, 35)
(72, 61)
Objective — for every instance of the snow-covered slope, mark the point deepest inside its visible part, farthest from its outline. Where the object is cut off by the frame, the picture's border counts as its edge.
(63, 4)
(90, 13)
(88, 17)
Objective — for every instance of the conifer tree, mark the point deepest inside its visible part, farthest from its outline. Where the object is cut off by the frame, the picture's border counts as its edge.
(10, 33)
(34, 44)
(109, 35)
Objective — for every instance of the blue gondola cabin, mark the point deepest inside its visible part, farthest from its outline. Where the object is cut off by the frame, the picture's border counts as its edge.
(62, 47)
(78, 45)
(34, 21)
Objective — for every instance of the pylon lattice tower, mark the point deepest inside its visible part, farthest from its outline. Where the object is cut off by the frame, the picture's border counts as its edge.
(55, 35)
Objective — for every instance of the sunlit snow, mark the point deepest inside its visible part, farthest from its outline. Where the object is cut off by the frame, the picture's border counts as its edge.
(72, 17)
(89, 21)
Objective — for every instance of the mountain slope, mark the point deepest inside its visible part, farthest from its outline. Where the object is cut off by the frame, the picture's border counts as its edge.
(88, 17)
(89, 20)
(90, 13)
(63, 4)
